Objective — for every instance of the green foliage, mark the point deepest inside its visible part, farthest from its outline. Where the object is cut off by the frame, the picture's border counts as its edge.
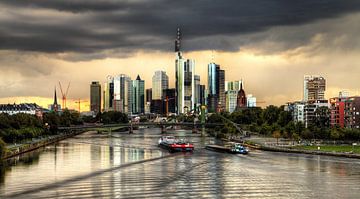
(2, 149)
(113, 117)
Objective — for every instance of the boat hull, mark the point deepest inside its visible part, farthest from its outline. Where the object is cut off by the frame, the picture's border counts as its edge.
(177, 147)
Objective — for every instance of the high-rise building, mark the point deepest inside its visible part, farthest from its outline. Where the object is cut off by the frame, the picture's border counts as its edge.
(184, 75)
(138, 95)
(108, 94)
(148, 100)
(160, 82)
(123, 93)
(251, 100)
(314, 87)
(203, 95)
(197, 91)
(241, 98)
(231, 100)
(169, 100)
(95, 97)
(216, 86)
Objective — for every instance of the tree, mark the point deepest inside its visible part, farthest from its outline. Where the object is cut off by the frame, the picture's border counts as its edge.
(2, 148)
(277, 135)
(270, 114)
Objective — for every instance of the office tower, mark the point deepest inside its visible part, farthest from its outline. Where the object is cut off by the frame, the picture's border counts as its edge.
(314, 87)
(108, 94)
(169, 100)
(160, 82)
(241, 98)
(202, 95)
(138, 95)
(122, 93)
(197, 103)
(216, 86)
(184, 80)
(231, 100)
(251, 100)
(148, 100)
(95, 97)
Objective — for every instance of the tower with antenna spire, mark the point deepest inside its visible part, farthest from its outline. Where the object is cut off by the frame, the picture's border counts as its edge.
(184, 79)
(55, 107)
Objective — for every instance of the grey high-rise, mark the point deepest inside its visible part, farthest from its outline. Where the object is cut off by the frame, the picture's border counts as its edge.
(160, 82)
(95, 97)
(123, 93)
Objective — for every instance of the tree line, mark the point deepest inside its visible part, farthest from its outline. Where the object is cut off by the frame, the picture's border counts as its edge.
(275, 121)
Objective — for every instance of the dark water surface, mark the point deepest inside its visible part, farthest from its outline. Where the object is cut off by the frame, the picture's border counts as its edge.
(132, 166)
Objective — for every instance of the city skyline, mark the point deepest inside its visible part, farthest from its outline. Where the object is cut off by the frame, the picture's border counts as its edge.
(323, 43)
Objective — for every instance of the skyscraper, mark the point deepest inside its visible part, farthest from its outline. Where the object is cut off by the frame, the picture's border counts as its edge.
(160, 82)
(216, 85)
(95, 97)
(184, 83)
(197, 91)
(108, 94)
(122, 93)
(138, 95)
(314, 87)
(231, 100)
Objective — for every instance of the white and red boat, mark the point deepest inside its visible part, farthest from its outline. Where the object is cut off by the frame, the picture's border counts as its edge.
(175, 145)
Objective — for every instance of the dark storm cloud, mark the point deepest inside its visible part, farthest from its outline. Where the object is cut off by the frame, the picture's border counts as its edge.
(92, 26)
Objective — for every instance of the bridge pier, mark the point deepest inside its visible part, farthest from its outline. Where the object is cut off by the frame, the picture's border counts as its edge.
(163, 129)
(131, 128)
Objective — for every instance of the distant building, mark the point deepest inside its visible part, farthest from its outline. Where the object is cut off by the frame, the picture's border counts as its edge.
(123, 93)
(27, 108)
(108, 94)
(345, 112)
(299, 112)
(160, 82)
(233, 85)
(148, 100)
(314, 87)
(216, 86)
(138, 94)
(250, 100)
(169, 95)
(231, 100)
(55, 107)
(241, 98)
(310, 110)
(184, 79)
(95, 97)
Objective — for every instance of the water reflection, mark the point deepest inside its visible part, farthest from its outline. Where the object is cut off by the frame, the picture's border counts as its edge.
(92, 166)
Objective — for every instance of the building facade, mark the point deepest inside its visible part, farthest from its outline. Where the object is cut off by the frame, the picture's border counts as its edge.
(123, 93)
(250, 100)
(184, 80)
(138, 95)
(241, 98)
(160, 82)
(231, 100)
(216, 86)
(95, 97)
(314, 87)
(108, 94)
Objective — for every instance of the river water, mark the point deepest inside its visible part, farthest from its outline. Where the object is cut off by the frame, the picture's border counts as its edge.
(132, 166)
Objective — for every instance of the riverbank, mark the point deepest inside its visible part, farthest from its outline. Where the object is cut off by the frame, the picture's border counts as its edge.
(259, 146)
(15, 150)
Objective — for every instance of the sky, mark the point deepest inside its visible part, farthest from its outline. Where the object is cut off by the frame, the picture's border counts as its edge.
(270, 44)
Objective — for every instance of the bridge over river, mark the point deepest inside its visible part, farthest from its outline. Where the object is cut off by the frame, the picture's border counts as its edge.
(93, 165)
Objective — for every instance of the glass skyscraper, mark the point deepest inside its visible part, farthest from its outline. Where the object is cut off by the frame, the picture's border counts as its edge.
(216, 86)
(122, 93)
(138, 95)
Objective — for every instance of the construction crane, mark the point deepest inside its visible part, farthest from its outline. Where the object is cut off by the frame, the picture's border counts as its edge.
(64, 94)
(79, 101)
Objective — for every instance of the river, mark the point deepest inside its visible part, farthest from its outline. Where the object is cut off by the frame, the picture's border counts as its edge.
(92, 165)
